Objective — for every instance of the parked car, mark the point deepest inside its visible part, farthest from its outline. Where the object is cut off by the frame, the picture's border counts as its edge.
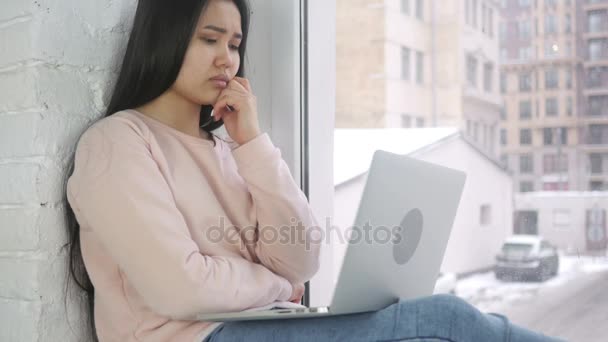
(525, 256)
(446, 283)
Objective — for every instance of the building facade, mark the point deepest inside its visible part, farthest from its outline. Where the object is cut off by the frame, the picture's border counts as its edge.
(415, 63)
(554, 81)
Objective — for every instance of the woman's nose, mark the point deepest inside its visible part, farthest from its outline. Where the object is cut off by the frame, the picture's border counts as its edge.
(224, 57)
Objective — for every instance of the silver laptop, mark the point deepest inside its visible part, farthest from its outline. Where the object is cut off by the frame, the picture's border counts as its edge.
(408, 208)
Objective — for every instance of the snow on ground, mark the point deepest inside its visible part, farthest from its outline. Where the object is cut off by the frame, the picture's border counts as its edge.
(488, 294)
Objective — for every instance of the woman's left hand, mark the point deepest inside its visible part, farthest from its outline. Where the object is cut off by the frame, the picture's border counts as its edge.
(242, 122)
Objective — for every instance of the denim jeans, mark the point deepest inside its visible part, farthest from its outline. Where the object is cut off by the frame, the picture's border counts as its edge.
(434, 318)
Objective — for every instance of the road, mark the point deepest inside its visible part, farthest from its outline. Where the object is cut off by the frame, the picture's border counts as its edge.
(575, 311)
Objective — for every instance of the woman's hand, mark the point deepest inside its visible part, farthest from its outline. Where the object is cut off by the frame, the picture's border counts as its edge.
(242, 121)
(298, 292)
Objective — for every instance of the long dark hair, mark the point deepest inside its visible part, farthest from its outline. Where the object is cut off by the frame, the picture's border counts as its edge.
(158, 41)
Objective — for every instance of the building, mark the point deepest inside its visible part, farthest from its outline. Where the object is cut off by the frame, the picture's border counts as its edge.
(414, 63)
(483, 219)
(554, 80)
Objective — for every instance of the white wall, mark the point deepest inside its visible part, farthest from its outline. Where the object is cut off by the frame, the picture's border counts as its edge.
(58, 59)
(55, 62)
(471, 246)
(567, 232)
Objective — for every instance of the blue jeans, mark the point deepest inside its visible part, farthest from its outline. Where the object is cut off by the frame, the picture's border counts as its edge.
(434, 318)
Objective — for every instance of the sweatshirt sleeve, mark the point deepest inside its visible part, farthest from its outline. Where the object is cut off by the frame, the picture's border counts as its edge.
(118, 193)
(288, 240)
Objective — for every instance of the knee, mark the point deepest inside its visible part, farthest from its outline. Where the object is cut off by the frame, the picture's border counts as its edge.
(444, 309)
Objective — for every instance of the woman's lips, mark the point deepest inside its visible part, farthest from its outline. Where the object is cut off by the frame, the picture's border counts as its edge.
(219, 83)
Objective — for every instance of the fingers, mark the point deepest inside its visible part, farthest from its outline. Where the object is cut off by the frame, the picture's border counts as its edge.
(243, 82)
(230, 98)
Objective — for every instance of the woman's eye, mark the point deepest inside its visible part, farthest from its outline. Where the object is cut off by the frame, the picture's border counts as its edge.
(234, 47)
(210, 41)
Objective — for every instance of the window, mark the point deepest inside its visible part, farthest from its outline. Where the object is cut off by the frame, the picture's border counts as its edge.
(420, 9)
(526, 163)
(555, 135)
(596, 186)
(491, 22)
(406, 121)
(525, 81)
(596, 161)
(523, 27)
(487, 77)
(525, 136)
(474, 13)
(472, 70)
(595, 49)
(419, 122)
(551, 78)
(598, 105)
(550, 24)
(525, 110)
(567, 23)
(467, 12)
(524, 3)
(483, 18)
(405, 63)
(598, 134)
(597, 21)
(551, 106)
(569, 106)
(525, 53)
(405, 7)
(419, 67)
(485, 215)
(554, 163)
(526, 186)
(561, 217)
(569, 78)
(503, 83)
(503, 136)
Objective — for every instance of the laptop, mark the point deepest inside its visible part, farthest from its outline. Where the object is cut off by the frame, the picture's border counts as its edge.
(408, 208)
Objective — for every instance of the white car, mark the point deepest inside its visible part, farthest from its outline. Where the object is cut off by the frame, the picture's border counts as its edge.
(525, 256)
(446, 283)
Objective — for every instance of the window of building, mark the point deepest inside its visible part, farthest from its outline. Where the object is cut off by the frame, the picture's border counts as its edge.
(405, 63)
(405, 7)
(561, 217)
(551, 78)
(491, 22)
(597, 21)
(525, 53)
(503, 83)
(555, 163)
(487, 76)
(551, 49)
(551, 107)
(555, 136)
(567, 23)
(419, 67)
(555, 186)
(471, 70)
(406, 121)
(525, 109)
(419, 122)
(525, 136)
(524, 3)
(595, 49)
(474, 13)
(503, 136)
(569, 78)
(569, 106)
(485, 215)
(526, 186)
(420, 9)
(524, 28)
(596, 186)
(525, 81)
(526, 164)
(596, 161)
(598, 134)
(550, 24)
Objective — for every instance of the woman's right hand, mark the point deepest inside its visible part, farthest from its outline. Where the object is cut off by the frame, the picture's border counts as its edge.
(298, 292)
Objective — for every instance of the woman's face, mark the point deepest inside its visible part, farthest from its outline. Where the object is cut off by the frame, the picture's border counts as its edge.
(213, 51)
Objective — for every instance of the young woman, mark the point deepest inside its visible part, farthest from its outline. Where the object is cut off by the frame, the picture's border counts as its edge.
(167, 221)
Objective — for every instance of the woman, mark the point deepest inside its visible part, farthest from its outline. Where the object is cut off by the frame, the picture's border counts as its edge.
(167, 221)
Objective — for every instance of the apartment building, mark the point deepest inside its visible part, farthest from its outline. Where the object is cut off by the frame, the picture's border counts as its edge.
(554, 81)
(420, 63)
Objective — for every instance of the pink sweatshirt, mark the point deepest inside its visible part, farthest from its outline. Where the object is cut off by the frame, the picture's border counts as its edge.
(168, 227)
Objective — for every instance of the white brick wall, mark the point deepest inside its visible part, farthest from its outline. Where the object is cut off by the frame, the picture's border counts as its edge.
(57, 61)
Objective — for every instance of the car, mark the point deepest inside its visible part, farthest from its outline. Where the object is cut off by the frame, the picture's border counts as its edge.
(446, 283)
(525, 256)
